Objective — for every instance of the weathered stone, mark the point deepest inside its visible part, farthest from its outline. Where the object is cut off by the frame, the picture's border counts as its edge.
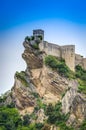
(41, 116)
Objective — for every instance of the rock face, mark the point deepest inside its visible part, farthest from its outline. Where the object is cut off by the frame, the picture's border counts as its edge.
(22, 95)
(48, 84)
(41, 116)
(69, 96)
(32, 57)
(41, 80)
(75, 104)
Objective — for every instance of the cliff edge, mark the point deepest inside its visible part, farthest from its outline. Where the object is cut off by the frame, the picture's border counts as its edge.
(40, 86)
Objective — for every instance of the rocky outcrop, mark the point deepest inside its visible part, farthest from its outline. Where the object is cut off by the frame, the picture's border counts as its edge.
(75, 104)
(41, 116)
(49, 84)
(22, 95)
(77, 111)
(32, 57)
(69, 96)
(50, 87)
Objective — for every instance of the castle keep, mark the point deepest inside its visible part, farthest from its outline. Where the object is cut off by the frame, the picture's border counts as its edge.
(66, 52)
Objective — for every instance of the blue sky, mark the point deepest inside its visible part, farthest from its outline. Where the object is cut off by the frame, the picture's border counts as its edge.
(64, 22)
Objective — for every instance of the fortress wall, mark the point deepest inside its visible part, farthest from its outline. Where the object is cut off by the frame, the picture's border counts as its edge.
(84, 63)
(68, 53)
(78, 59)
(50, 49)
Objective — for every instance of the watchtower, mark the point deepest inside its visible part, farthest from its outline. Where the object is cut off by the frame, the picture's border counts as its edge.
(38, 32)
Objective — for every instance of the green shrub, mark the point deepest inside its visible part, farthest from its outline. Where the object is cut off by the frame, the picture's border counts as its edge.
(2, 98)
(51, 61)
(63, 69)
(26, 120)
(35, 46)
(40, 104)
(32, 127)
(83, 125)
(55, 115)
(39, 126)
(9, 118)
(36, 95)
(49, 109)
(22, 77)
(82, 88)
(32, 38)
(63, 126)
(33, 116)
(81, 75)
(80, 72)
(27, 38)
(11, 105)
(23, 128)
(82, 84)
(59, 65)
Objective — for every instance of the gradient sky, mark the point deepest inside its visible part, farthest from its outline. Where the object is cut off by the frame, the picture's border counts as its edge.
(64, 22)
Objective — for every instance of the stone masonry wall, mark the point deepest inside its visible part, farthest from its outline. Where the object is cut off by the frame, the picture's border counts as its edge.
(50, 49)
(79, 60)
(66, 52)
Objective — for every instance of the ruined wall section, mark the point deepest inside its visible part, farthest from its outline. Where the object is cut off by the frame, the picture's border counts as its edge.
(68, 53)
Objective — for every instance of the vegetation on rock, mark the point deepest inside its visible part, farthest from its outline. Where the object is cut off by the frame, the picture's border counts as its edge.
(10, 119)
(27, 38)
(22, 77)
(81, 75)
(59, 65)
(35, 46)
(56, 117)
(80, 72)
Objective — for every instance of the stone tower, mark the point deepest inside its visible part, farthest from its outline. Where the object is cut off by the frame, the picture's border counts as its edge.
(68, 53)
(38, 32)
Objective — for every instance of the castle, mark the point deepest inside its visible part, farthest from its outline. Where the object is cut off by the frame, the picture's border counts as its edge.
(66, 52)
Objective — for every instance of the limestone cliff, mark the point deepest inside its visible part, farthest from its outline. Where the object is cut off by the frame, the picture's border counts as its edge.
(41, 81)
